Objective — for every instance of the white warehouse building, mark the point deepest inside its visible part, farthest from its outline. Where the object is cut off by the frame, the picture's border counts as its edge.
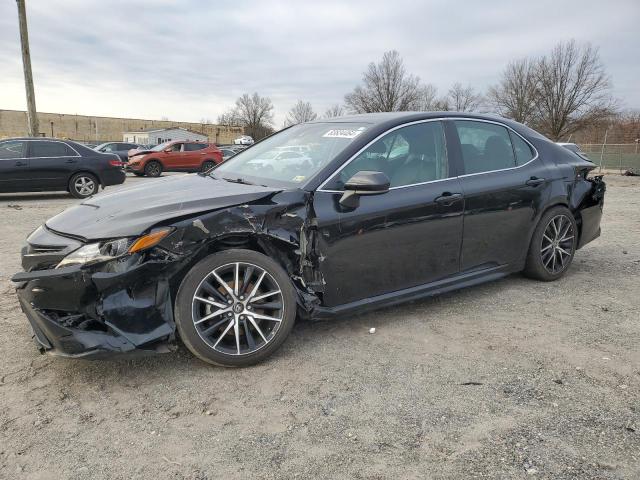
(155, 136)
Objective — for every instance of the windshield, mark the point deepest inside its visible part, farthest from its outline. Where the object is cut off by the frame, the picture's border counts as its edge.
(290, 157)
(159, 148)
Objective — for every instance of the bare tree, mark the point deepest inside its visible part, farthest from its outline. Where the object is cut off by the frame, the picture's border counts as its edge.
(386, 88)
(253, 112)
(229, 118)
(463, 99)
(334, 111)
(573, 90)
(301, 112)
(515, 96)
(428, 98)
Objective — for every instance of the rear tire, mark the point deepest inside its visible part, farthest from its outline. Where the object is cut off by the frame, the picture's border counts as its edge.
(553, 245)
(153, 168)
(235, 308)
(83, 185)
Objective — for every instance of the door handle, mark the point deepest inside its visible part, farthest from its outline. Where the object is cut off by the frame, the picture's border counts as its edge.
(535, 181)
(20, 164)
(447, 198)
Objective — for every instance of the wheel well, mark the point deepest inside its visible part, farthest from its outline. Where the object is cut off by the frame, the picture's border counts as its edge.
(153, 160)
(278, 250)
(575, 212)
(89, 172)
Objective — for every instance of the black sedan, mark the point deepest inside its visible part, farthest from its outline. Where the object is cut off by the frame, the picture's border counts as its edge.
(386, 208)
(48, 164)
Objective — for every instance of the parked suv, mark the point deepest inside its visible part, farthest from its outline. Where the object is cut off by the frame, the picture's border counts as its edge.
(119, 148)
(176, 156)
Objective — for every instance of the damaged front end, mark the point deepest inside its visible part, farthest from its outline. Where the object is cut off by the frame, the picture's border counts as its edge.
(125, 304)
(109, 307)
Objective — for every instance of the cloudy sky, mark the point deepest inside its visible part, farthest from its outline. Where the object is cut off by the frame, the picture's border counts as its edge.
(188, 60)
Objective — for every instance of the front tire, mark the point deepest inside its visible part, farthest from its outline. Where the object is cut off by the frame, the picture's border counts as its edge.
(153, 168)
(83, 185)
(235, 308)
(207, 165)
(553, 245)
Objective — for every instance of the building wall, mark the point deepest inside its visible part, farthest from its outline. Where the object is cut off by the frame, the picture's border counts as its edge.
(13, 123)
(154, 138)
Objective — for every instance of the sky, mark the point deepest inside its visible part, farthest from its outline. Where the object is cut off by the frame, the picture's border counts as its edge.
(189, 60)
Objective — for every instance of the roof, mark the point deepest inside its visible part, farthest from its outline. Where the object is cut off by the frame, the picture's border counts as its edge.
(382, 117)
(385, 120)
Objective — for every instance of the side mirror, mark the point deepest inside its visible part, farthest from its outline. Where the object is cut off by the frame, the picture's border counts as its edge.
(364, 183)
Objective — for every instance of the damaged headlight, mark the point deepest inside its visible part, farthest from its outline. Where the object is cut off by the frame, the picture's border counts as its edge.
(112, 249)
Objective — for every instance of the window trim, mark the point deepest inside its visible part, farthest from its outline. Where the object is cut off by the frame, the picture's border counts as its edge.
(52, 141)
(386, 132)
(439, 119)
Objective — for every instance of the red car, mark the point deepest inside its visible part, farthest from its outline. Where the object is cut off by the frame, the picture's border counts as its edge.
(176, 156)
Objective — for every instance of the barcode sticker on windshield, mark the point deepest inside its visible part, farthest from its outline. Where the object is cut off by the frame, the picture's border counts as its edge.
(343, 133)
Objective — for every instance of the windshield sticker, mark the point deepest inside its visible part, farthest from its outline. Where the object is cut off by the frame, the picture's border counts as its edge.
(343, 133)
(298, 179)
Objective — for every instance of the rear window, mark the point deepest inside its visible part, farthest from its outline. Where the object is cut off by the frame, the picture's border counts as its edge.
(192, 147)
(523, 150)
(48, 149)
(486, 147)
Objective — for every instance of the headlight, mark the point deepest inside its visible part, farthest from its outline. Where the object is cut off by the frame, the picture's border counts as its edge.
(112, 249)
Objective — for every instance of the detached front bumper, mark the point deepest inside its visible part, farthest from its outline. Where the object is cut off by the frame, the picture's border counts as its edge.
(96, 314)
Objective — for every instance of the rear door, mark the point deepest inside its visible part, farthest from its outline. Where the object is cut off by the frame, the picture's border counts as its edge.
(194, 154)
(504, 184)
(14, 173)
(51, 163)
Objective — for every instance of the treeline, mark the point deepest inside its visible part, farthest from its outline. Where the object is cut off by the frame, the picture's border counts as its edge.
(558, 94)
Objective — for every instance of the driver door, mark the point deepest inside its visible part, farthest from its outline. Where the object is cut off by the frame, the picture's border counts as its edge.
(408, 236)
(174, 159)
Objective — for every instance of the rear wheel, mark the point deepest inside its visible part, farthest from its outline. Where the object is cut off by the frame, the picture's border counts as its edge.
(207, 165)
(83, 185)
(235, 308)
(153, 168)
(552, 246)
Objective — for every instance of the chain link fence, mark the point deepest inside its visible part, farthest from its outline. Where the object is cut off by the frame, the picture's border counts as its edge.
(621, 156)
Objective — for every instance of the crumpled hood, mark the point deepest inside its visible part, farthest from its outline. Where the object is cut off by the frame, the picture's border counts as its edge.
(130, 211)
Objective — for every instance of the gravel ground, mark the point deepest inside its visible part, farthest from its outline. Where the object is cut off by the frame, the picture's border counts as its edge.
(511, 379)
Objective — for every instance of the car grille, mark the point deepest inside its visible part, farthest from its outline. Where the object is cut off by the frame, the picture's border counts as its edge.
(45, 249)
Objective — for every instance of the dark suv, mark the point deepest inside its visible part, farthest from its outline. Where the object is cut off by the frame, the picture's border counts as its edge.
(119, 148)
(47, 164)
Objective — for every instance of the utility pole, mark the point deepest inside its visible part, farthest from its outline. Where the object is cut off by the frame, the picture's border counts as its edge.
(32, 116)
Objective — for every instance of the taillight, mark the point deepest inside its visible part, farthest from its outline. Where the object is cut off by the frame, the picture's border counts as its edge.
(116, 163)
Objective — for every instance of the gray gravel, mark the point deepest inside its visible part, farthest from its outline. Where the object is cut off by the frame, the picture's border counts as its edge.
(512, 379)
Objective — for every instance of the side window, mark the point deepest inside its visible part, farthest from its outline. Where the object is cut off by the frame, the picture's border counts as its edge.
(485, 146)
(409, 155)
(177, 147)
(47, 149)
(110, 147)
(524, 153)
(192, 147)
(12, 149)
